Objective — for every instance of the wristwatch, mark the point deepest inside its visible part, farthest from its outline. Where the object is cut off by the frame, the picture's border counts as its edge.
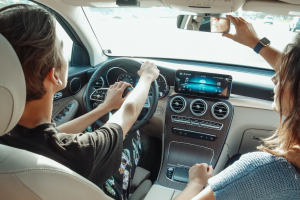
(262, 43)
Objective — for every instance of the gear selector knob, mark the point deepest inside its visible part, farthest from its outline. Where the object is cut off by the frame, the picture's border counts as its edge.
(126, 91)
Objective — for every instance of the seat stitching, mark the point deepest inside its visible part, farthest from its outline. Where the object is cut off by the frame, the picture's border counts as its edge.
(20, 170)
(27, 187)
(8, 156)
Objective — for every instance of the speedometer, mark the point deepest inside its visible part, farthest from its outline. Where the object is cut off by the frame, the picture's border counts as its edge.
(126, 78)
(162, 86)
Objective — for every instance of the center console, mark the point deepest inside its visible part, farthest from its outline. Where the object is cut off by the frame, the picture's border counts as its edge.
(197, 120)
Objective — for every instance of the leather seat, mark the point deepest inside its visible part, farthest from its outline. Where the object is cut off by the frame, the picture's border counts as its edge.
(25, 175)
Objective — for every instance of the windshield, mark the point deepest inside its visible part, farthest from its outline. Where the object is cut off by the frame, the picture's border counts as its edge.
(153, 33)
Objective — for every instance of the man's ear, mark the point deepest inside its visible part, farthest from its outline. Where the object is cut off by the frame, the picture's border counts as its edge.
(53, 76)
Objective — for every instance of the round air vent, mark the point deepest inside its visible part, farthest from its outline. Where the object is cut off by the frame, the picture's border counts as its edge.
(75, 85)
(198, 107)
(99, 83)
(220, 110)
(178, 104)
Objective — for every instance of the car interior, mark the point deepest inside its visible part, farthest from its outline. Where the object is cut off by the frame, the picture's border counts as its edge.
(211, 103)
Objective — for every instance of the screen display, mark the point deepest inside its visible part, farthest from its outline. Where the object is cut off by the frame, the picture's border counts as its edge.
(203, 84)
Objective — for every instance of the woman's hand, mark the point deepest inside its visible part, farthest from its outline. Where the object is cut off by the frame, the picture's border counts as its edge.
(198, 178)
(245, 33)
(200, 173)
(114, 98)
(149, 70)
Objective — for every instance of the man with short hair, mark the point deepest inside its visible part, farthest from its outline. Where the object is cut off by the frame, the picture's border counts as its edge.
(96, 155)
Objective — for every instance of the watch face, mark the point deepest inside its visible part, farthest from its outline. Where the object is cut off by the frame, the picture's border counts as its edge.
(265, 41)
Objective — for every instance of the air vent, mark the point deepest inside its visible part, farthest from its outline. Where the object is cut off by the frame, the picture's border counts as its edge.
(198, 107)
(99, 83)
(178, 104)
(220, 110)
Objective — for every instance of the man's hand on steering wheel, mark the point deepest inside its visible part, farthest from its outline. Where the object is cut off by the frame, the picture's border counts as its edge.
(131, 106)
(114, 98)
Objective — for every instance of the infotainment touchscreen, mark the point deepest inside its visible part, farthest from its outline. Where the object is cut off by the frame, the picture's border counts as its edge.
(203, 84)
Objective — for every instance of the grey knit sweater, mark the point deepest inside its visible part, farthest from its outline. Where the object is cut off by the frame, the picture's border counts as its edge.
(257, 176)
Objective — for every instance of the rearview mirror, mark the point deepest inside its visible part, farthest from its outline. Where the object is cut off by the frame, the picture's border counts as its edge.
(206, 24)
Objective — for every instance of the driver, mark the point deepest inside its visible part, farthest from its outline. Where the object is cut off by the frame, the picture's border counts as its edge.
(219, 25)
(96, 155)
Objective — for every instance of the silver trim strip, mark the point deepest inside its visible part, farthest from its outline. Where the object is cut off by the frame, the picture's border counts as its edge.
(199, 125)
(213, 114)
(183, 109)
(205, 105)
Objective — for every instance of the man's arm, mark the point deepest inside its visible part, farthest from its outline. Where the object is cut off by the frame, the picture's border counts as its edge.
(132, 106)
(246, 35)
(113, 100)
(198, 177)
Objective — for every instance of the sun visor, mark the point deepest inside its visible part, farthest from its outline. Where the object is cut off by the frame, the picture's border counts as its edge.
(205, 6)
(273, 7)
(112, 3)
(292, 1)
(195, 6)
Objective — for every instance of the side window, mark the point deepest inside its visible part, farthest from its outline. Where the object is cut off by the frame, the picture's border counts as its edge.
(68, 43)
(61, 33)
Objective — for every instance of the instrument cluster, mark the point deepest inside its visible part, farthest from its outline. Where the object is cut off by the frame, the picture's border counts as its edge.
(117, 74)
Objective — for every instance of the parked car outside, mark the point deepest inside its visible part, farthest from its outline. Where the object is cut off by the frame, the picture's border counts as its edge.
(269, 20)
(294, 24)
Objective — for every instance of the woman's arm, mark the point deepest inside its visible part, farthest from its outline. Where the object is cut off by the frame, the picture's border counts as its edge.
(246, 35)
(198, 177)
(206, 194)
(132, 106)
(113, 101)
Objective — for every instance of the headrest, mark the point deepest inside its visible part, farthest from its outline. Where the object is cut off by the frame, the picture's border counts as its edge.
(12, 87)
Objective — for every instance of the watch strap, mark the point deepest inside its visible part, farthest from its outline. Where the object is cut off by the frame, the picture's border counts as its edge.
(258, 47)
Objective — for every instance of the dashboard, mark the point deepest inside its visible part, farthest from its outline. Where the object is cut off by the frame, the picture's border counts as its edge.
(197, 118)
(196, 125)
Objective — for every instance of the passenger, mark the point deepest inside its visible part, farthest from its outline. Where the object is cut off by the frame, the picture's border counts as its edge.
(272, 173)
(96, 156)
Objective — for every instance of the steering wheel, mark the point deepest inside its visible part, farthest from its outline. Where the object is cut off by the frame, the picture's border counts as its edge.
(132, 67)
